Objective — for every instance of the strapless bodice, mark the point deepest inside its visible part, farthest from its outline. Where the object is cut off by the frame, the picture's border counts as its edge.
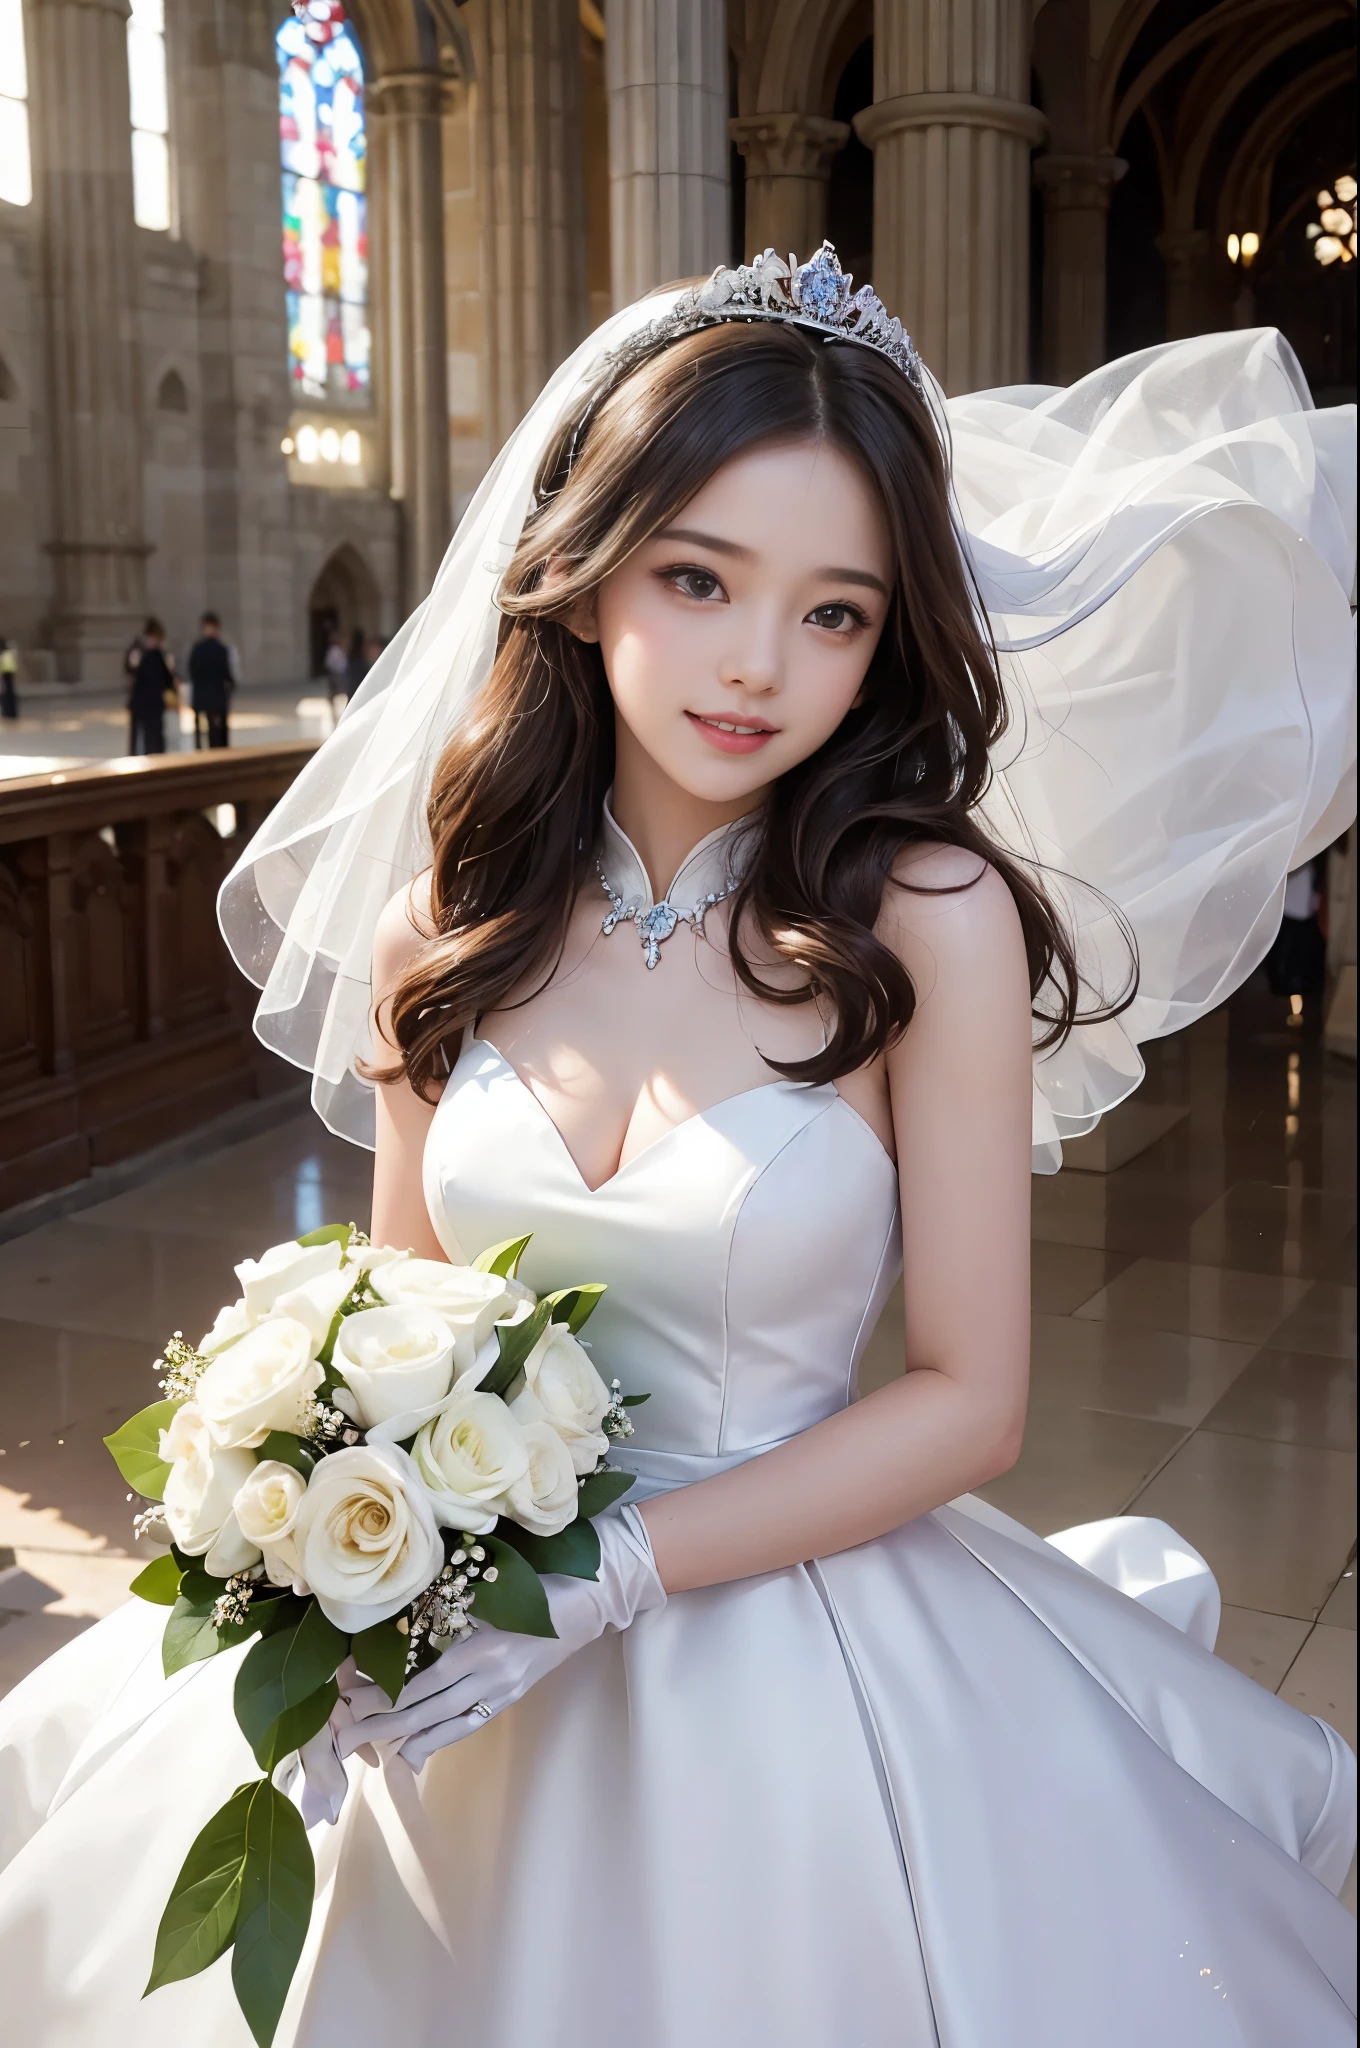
(747, 1252)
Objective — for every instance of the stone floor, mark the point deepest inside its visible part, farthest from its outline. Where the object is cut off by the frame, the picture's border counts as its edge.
(63, 730)
(1194, 1346)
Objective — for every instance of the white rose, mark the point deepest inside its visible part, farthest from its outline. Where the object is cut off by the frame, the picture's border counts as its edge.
(282, 1267)
(266, 1510)
(470, 1302)
(232, 1322)
(545, 1499)
(201, 1490)
(314, 1303)
(469, 1456)
(573, 1396)
(394, 1359)
(362, 1258)
(366, 1536)
(264, 1381)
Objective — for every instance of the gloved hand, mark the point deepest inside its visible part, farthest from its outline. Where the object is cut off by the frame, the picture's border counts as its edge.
(491, 1669)
(325, 1781)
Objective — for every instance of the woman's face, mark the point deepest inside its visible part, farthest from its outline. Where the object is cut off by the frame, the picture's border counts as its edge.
(736, 639)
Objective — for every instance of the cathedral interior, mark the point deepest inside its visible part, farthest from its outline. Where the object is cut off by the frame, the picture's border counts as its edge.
(275, 284)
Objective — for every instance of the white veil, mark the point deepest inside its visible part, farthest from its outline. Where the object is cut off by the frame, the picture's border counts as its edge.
(1166, 551)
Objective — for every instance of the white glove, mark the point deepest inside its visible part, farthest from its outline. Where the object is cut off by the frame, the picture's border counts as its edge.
(324, 1779)
(491, 1669)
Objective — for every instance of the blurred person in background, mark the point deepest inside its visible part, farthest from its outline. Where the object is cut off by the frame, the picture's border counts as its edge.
(360, 660)
(212, 678)
(9, 670)
(1296, 964)
(336, 667)
(152, 689)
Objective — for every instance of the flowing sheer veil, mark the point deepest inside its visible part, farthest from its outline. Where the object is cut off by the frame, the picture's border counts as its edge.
(1166, 551)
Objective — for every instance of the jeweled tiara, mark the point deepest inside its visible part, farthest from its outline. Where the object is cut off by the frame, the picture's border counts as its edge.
(815, 294)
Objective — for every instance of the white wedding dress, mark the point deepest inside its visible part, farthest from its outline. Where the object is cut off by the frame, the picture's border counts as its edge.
(947, 1790)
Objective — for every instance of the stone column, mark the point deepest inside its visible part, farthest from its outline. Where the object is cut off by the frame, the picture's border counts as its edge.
(951, 129)
(83, 152)
(1185, 256)
(225, 85)
(666, 74)
(409, 106)
(532, 215)
(1076, 193)
(788, 165)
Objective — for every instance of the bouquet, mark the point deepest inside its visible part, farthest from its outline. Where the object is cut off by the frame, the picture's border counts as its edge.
(366, 1455)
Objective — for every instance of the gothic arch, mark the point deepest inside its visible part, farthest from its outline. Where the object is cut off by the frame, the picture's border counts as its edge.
(801, 43)
(1212, 101)
(411, 35)
(172, 393)
(344, 598)
(1245, 191)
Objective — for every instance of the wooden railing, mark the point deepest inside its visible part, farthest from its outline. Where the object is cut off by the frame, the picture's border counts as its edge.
(123, 1021)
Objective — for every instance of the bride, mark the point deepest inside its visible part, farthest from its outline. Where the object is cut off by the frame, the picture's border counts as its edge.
(733, 875)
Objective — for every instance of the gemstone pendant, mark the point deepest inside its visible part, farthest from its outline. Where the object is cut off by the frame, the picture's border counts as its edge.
(658, 924)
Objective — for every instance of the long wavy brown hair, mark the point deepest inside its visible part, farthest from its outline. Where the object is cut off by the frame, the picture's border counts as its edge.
(514, 809)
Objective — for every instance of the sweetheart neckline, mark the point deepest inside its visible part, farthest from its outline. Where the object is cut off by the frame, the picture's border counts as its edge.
(696, 1116)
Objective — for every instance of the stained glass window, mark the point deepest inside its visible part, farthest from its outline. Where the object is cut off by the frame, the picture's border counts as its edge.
(16, 176)
(325, 224)
(150, 114)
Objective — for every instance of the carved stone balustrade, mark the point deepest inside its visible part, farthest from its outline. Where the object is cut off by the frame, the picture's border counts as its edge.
(123, 1022)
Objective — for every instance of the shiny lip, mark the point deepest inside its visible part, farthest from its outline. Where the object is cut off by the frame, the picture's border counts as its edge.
(749, 742)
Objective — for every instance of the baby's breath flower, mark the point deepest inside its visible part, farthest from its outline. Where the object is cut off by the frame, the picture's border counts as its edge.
(616, 1422)
(440, 1616)
(182, 1368)
(328, 1430)
(234, 1604)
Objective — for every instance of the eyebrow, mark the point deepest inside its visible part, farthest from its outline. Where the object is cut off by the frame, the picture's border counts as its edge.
(743, 554)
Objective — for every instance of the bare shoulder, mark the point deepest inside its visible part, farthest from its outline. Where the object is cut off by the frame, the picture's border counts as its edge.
(404, 926)
(950, 917)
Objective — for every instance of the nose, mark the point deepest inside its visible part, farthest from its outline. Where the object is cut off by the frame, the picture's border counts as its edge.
(754, 661)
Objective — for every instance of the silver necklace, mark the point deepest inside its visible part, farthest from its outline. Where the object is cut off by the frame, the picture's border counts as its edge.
(657, 924)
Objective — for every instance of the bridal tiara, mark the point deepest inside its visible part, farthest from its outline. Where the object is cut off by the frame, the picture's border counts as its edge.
(815, 295)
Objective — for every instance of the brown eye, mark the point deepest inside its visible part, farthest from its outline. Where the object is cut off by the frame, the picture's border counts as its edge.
(836, 618)
(699, 583)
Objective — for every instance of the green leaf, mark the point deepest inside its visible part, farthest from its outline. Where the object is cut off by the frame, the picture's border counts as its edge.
(136, 1449)
(601, 1490)
(380, 1653)
(283, 1669)
(200, 1915)
(574, 1551)
(635, 1400)
(515, 1599)
(287, 1449)
(277, 1885)
(327, 1351)
(330, 1233)
(516, 1341)
(189, 1634)
(158, 1582)
(502, 1259)
(575, 1305)
(296, 1725)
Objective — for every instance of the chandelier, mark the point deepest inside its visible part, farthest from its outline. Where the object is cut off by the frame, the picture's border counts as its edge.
(1332, 234)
